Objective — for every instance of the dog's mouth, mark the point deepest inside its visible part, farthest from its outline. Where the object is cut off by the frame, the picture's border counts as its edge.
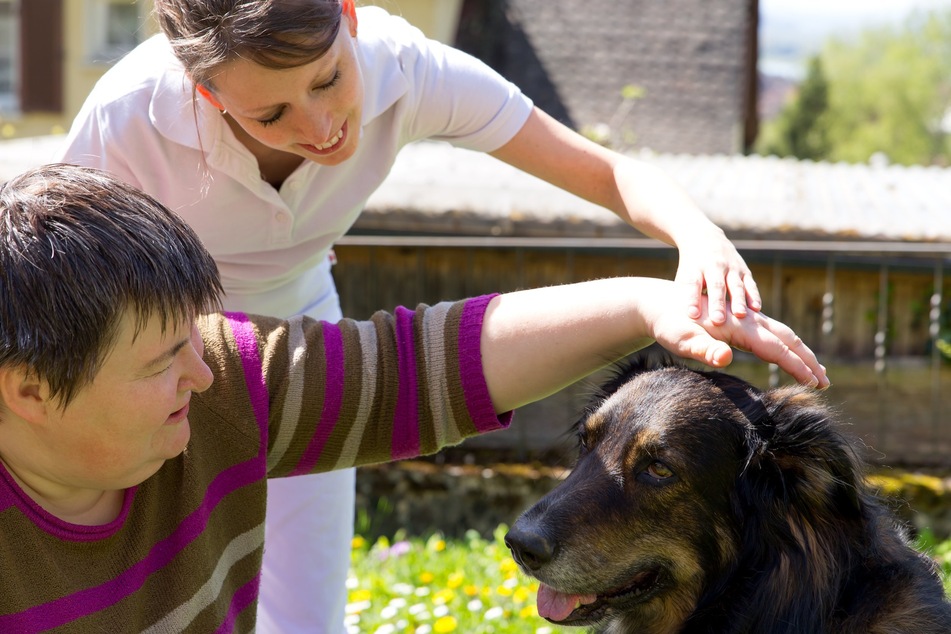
(578, 609)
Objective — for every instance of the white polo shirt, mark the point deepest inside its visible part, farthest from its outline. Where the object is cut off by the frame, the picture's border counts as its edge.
(142, 123)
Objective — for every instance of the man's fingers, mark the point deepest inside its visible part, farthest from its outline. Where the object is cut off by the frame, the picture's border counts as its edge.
(777, 343)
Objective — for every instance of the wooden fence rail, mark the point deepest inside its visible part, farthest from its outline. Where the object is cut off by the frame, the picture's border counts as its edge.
(877, 312)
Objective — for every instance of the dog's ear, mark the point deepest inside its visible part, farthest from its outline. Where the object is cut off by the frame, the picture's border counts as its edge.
(801, 458)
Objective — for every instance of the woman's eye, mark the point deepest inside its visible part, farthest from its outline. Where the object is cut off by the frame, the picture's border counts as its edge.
(330, 84)
(271, 119)
(163, 371)
(659, 470)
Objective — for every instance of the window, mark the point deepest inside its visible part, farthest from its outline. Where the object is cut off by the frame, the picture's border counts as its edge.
(9, 43)
(115, 28)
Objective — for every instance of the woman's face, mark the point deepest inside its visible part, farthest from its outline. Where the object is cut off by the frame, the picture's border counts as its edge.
(313, 111)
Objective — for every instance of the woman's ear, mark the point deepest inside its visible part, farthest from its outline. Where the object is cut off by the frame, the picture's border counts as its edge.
(204, 92)
(350, 10)
(23, 394)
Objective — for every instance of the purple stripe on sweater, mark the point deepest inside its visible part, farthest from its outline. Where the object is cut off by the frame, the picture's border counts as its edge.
(405, 439)
(470, 368)
(74, 606)
(12, 495)
(247, 344)
(333, 398)
(242, 598)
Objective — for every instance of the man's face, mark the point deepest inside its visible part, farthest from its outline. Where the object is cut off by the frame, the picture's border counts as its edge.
(120, 429)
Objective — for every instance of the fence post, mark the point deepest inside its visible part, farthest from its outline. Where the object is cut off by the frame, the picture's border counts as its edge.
(881, 350)
(934, 330)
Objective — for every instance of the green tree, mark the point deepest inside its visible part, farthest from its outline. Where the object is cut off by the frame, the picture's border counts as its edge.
(888, 91)
(801, 130)
(891, 91)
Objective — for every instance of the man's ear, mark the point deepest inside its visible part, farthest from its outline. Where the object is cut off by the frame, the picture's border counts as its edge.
(350, 10)
(23, 394)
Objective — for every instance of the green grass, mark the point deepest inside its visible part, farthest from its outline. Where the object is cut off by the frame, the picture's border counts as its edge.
(941, 551)
(423, 586)
(470, 586)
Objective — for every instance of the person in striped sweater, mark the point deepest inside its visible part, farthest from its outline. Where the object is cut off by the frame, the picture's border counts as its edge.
(138, 427)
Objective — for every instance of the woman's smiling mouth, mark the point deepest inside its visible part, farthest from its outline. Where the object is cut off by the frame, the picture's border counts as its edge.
(331, 145)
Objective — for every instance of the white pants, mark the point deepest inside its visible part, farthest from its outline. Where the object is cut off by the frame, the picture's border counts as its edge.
(308, 531)
(308, 528)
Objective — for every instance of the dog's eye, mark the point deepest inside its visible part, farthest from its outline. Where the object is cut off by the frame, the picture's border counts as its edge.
(659, 470)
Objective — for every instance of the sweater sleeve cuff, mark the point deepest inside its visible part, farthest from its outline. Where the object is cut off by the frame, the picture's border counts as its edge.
(471, 371)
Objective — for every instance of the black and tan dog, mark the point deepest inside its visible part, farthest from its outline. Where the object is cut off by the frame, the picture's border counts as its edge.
(701, 504)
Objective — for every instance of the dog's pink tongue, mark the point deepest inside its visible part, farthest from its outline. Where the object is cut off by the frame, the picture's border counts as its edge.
(556, 606)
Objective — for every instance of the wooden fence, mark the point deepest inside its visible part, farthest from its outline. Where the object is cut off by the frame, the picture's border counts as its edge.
(876, 312)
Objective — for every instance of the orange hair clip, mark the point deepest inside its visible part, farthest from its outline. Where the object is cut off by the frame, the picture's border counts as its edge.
(350, 10)
(204, 92)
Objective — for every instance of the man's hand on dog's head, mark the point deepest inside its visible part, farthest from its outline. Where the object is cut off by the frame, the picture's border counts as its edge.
(703, 340)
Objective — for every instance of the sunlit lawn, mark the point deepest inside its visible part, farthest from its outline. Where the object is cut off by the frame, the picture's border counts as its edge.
(469, 586)
(418, 586)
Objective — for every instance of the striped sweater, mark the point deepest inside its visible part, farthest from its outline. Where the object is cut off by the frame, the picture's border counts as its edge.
(289, 397)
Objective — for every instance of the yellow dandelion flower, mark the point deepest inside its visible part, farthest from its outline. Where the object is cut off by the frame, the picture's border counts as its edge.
(455, 580)
(508, 565)
(360, 595)
(445, 624)
(528, 612)
(439, 545)
(521, 594)
(471, 590)
(444, 596)
(503, 591)
(357, 543)
(426, 577)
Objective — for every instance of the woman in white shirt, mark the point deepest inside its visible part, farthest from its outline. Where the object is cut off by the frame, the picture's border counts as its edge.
(301, 117)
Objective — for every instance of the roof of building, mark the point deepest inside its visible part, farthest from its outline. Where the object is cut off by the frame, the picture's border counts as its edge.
(436, 188)
(688, 59)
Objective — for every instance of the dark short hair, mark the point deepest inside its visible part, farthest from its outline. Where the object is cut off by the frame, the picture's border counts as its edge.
(78, 250)
(279, 34)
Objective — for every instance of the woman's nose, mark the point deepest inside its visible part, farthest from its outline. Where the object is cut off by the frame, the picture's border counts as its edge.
(197, 376)
(318, 127)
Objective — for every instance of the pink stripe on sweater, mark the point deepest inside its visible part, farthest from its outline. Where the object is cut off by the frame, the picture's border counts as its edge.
(471, 372)
(333, 398)
(242, 598)
(247, 344)
(74, 606)
(405, 441)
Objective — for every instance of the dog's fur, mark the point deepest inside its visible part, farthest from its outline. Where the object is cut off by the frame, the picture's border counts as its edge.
(701, 504)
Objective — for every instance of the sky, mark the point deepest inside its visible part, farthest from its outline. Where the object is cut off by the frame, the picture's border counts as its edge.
(857, 9)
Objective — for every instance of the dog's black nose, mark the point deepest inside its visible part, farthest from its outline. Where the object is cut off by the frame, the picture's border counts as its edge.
(530, 549)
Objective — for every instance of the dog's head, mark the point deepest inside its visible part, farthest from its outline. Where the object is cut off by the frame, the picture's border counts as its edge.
(679, 472)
